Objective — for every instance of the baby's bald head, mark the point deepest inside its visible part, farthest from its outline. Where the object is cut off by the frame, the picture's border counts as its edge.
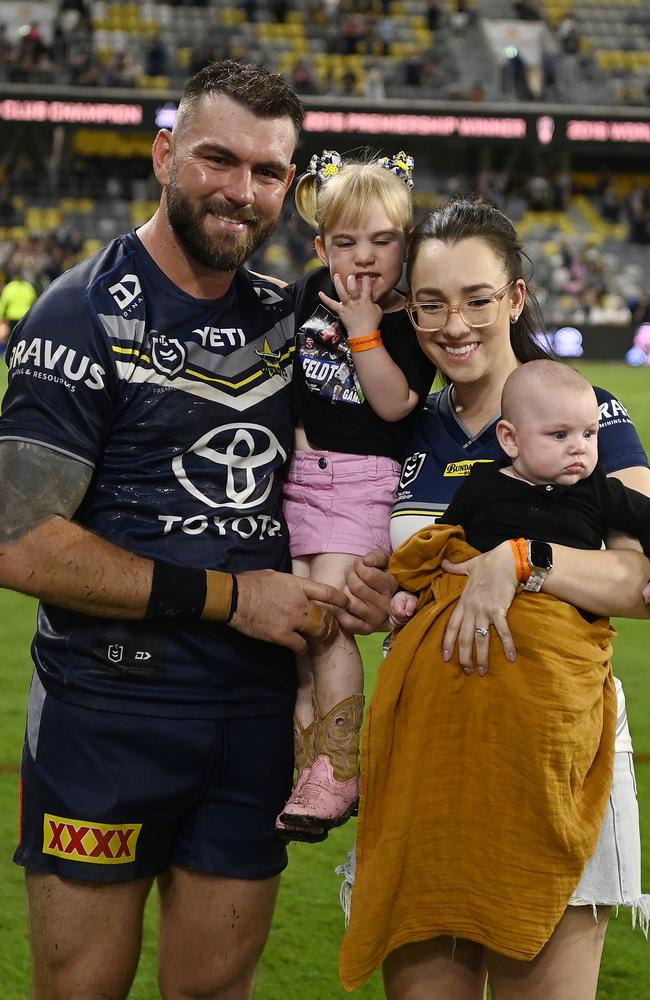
(535, 383)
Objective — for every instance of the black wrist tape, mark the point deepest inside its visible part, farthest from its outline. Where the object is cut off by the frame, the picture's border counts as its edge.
(176, 591)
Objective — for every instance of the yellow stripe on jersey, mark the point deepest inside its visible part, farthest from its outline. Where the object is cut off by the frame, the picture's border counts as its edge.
(210, 378)
(417, 513)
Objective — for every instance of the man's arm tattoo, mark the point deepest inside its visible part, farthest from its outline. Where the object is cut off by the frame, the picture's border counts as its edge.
(36, 484)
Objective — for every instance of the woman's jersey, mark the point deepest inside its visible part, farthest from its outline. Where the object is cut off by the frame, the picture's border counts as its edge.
(441, 453)
(329, 398)
(182, 409)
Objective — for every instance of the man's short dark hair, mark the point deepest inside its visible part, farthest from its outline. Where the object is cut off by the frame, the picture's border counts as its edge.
(266, 94)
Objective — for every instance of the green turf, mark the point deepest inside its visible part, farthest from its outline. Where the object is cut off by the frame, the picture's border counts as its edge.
(300, 962)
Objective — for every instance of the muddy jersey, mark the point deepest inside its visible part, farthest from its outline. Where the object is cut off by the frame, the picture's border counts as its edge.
(442, 454)
(182, 409)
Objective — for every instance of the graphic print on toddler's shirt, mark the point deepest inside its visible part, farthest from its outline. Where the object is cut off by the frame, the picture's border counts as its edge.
(326, 359)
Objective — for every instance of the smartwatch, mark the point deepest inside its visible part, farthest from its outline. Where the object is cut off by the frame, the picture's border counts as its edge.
(540, 558)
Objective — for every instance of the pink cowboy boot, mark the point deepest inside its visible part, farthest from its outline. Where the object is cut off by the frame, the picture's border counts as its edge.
(304, 752)
(328, 796)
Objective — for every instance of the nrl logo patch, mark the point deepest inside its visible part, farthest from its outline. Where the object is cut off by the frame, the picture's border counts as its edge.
(412, 468)
(168, 355)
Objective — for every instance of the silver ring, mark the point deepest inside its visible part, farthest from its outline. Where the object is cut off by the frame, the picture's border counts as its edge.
(484, 630)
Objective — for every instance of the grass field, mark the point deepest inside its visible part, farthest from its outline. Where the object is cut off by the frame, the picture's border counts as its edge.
(300, 962)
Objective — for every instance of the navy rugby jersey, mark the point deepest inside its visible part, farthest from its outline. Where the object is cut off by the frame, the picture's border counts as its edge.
(182, 408)
(441, 455)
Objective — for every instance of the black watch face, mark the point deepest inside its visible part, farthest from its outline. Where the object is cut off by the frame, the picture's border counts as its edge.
(541, 555)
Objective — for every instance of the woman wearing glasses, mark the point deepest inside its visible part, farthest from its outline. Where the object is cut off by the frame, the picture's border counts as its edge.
(476, 321)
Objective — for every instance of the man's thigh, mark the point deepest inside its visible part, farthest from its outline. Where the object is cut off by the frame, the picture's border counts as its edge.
(111, 797)
(85, 938)
(212, 933)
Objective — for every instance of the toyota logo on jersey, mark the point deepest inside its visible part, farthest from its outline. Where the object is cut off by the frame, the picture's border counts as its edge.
(231, 466)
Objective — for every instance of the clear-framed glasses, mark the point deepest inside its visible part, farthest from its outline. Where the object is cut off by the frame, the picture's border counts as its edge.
(475, 311)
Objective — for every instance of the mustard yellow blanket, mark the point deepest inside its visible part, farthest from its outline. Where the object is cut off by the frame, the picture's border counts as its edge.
(482, 797)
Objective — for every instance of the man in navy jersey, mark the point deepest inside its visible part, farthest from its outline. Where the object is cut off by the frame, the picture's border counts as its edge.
(142, 442)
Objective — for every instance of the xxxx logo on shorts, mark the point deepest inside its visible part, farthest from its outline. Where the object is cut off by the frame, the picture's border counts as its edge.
(97, 843)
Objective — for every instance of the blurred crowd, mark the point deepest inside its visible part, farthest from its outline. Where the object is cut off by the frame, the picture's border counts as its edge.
(597, 274)
(590, 246)
(365, 48)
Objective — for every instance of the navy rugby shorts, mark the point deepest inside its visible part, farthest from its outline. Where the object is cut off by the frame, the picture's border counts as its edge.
(111, 797)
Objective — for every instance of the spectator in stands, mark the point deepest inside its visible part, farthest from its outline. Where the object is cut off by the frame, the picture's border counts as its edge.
(639, 215)
(353, 32)
(374, 86)
(8, 214)
(525, 10)
(302, 78)
(16, 299)
(279, 10)
(386, 32)
(538, 190)
(569, 42)
(433, 14)
(72, 30)
(609, 203)
(84, 71)
(639, 353)
(413, 70)
(641, 310)
(463, 15)
(157, 58)
(122, 70)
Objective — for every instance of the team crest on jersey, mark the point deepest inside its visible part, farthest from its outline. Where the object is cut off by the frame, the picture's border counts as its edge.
(412, 468)
(168, 354)
(272, 360)
(463, 468)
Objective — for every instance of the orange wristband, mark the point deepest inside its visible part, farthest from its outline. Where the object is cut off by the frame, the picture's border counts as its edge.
(522, 565)
(366, 343)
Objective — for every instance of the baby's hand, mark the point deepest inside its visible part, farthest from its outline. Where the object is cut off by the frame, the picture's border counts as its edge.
(402, 607)
(357, 311)
(645, 593)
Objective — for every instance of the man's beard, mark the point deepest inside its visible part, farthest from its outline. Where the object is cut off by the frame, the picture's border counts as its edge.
(223, 251)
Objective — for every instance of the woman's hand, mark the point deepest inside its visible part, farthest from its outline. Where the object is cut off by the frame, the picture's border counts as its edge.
(370, 589)
(484, 603)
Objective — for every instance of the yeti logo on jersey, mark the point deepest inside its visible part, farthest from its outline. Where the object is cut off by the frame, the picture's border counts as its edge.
(126, 291)
(231, 466)
(168, 355)
(412, 468)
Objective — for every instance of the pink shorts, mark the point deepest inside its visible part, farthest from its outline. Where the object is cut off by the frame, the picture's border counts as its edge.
(339, 503)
